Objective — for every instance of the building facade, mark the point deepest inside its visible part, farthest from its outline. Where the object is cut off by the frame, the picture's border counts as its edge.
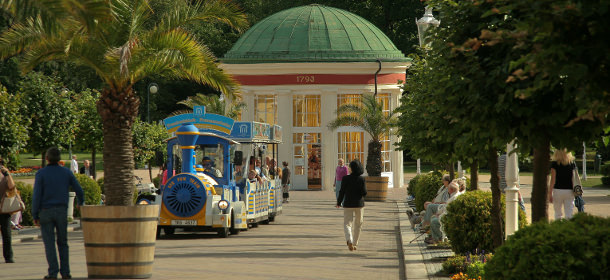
(298, 66)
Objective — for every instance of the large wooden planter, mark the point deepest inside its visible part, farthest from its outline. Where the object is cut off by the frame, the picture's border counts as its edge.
(377, 188)
(119, 240)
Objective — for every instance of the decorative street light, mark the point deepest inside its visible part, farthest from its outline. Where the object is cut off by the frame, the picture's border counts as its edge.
(422, 26)
(152, 88)
(424, 23)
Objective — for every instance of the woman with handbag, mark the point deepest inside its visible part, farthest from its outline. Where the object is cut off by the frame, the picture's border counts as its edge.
(560, 190)
(6, 183)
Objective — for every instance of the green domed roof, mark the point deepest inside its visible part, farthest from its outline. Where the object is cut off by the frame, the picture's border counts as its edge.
(313, 33)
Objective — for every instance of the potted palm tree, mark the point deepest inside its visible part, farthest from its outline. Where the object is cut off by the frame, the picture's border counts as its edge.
(369, 116)
(123, 41)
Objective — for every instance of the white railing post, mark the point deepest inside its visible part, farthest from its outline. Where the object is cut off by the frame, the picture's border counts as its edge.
(512, 190)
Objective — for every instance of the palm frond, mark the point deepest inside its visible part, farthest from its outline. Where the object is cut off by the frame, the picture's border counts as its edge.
(206, 11)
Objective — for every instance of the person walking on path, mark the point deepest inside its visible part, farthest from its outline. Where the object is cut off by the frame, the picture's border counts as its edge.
(74, 165)
(50, 211)
(6, 183)
(352, 196)
(340, 172)
(560, 190)
(286, 182)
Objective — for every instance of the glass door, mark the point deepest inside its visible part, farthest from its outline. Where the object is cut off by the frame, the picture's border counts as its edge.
(299, 177)
(307, 161)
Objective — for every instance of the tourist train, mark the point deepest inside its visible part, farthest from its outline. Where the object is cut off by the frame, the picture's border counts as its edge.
(210, 156)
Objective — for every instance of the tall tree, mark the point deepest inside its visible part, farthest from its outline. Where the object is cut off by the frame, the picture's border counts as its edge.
(50, 110)
(113, 38)
(88, 134)
(559, 72)
(148, 139)
(13, 126)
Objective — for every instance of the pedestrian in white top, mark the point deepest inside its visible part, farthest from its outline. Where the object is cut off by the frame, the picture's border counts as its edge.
(74, 165)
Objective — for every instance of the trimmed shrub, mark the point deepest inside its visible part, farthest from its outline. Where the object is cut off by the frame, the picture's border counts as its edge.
(26, 191)
(566, 249)
(411, 189)
(93, 193)
(100, 182)
(157, 181)
(427, 187)
(468, 222)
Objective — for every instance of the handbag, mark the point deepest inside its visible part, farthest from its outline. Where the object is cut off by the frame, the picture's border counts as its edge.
(576, 185)
(11, 202)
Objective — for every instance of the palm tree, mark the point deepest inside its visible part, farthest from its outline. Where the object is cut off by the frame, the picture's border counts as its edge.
(368, 116)
(212, 104)
(123, 41)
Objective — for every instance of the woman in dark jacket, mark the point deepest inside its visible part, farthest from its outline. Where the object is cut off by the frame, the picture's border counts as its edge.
(352, 195)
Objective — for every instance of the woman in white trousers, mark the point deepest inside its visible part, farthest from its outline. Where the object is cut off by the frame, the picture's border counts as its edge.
(560, 190)
(353, 191)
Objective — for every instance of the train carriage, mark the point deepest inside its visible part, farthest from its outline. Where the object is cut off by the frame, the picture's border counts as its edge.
(259, 141)
(207, 193)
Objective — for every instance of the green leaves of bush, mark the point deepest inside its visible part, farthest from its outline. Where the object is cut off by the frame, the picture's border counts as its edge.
(426, 188)
(468, 222)
(567, 249)
(26, 191)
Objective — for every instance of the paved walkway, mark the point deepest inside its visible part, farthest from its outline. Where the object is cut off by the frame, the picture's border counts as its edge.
(305, 242)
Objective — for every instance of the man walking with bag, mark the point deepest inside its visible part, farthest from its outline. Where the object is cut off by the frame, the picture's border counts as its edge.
(50, 211)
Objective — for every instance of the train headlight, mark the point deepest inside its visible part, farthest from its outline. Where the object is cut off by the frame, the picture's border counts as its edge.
(223, 205)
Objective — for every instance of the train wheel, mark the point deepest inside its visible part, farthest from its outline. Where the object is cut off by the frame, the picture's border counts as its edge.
(234, 231)
(265, 222)
(254, 225)
(272, 218)
(169, 230)
(223, 232)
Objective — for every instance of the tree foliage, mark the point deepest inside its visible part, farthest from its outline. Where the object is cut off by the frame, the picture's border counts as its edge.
(368, 116)
(214, 105)
(13, 126)
(148, 139)
(50, 110)
(123, 44)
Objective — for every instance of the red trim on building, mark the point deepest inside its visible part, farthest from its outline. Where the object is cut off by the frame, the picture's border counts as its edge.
(318, 79)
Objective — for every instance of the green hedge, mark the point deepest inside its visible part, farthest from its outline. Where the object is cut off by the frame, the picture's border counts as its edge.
(427, 187)
(26, 191)
(413, 185)
(468, 222)
(93, 193)
(566, 249)
(100, 182)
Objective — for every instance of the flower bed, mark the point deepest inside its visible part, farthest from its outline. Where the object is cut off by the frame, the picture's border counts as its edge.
(25, 171)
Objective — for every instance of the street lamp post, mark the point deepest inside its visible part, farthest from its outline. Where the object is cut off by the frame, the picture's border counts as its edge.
(422, 26)
(152, 88)
(424, 23)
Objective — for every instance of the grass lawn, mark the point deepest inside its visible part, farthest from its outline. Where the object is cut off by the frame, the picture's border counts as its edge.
(592, 183)
(28, 160)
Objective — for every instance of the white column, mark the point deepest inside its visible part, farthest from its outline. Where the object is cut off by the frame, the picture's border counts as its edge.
(328, 99)
(584, 161)
(512, 190)
(460, 170)
(418, 166)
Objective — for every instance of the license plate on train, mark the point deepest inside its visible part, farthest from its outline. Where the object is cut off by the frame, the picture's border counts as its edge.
(184, 222)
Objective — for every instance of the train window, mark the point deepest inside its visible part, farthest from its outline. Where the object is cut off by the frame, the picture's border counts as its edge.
(211, 156)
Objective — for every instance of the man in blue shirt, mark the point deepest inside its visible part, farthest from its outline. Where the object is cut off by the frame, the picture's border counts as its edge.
(50, 210)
